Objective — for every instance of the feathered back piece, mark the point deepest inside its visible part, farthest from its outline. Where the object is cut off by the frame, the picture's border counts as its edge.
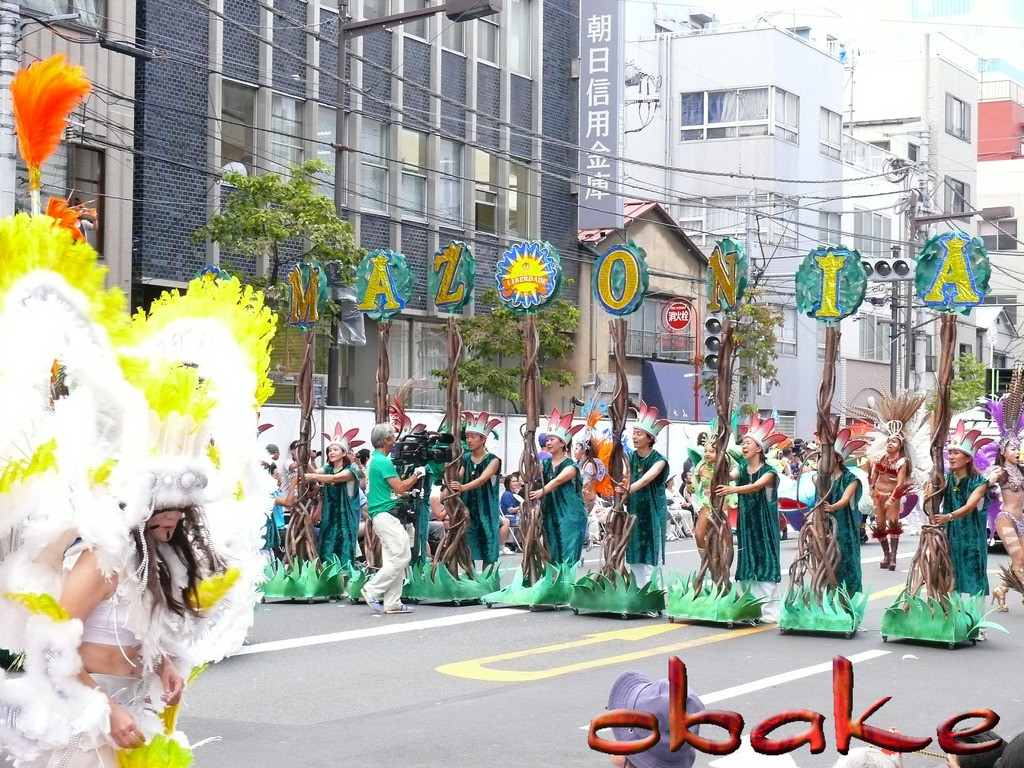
(648, 421)
(481, 423)
(44, 95)
(762, 432)
(402, 423)
(345, 439)
(560, 426)
(893, 415)
(1007, 413)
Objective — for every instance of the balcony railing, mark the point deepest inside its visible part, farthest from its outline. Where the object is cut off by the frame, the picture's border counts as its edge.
(657, 345)
(860, 154)
(1002, 90)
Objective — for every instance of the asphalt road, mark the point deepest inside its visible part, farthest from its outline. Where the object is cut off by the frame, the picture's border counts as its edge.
(331, 683)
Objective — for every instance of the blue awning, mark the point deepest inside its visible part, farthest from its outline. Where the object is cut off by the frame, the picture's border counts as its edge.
(669, 387)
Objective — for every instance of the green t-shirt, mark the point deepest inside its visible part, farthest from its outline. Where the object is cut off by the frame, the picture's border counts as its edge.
(379, 497)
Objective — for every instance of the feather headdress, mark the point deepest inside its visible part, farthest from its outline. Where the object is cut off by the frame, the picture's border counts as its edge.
(892, 415)
(402, 423)
(1007, 411)
(44, 95)
(967, 441)
(762, 432)
(345, 439)
(560, 426)
(480, 424)
(648, 421)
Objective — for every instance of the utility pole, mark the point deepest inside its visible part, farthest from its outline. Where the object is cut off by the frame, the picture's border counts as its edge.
(894, 339)
(751, 238)
(10, 15)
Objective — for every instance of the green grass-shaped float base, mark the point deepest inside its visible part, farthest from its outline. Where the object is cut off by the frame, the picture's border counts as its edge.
(553, 588)
(304, 579)
(838, 612)
(596, 593)
(355, 580)
(949, 619)
(712, 604)
(441, 586)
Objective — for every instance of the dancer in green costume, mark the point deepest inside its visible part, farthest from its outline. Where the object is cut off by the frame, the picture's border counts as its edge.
(562, 506)
(844, 506)
(757, 529)
(648, 473)
(479, 488)
(339, 517)
(964, 506)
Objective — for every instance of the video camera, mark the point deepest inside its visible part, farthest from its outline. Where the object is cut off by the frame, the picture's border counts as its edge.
(421, 448)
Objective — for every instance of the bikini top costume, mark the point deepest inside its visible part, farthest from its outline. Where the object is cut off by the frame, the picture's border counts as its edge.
(108, 623)
(890, 468)
(1014, 480)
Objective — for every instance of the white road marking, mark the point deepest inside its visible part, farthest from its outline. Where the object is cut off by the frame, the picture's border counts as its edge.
(389, 629)
(769, 682)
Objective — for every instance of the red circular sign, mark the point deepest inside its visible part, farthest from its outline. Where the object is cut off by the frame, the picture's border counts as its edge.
(677, 315)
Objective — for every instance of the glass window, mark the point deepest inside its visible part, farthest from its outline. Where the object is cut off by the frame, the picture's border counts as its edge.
(420, 27)
(999, 235)
(486, 188)
(487, 40)
(783, 221)
(330, 4)
(958, 118)
(450, 182)
(957, 196)
(87, 189)
(238, 116)
(90, 12)
(829, 231)
(785, 337)
(874, 339)
(647, 338)
(787, 116)
(374, 9)
(414, 173)
(821, 328)
(285, 131)
(520, 37)
(325, 125)
(724, 114)
(913, 152)
(373, 165)
(453, 35)
(872, 233)
(830, 137)
(518, 200)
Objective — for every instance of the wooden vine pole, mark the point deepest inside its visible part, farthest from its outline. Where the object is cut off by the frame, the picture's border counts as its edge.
(620, 521)
(932, 567)
(818, 551)
(536, 555)
(300, 538)
(453, 551)
(718, 554)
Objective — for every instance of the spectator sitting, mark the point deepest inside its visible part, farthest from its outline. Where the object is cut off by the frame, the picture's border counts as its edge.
(511, 501)
(635, 690)
(438, 522)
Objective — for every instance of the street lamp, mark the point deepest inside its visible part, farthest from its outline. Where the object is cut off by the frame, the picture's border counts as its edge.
(456, 10)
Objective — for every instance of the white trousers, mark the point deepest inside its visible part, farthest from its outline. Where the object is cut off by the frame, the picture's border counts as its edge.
(769, 609)
(642, 572)
(396, 552)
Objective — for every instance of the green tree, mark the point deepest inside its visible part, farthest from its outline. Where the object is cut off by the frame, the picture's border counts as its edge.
(274, 219)
(754, 334)
(967, 386)
(495, 348)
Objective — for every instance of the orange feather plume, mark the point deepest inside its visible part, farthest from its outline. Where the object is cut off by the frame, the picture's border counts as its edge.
(69, 217)
(44, 95)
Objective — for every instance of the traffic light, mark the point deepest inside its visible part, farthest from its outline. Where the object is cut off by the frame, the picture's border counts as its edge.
(712, 342)
(888, 270)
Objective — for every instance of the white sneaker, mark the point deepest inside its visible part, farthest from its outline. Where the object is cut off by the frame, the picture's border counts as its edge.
(506, 551)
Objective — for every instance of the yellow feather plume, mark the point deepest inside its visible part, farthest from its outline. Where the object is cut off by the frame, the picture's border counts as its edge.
(40, 603)
(159, 752)
(43, 459)
(212, 589)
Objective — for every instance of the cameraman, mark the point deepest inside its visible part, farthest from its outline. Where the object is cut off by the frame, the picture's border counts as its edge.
(384, 488)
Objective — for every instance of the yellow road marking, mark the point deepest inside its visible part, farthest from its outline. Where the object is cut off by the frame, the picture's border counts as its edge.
(477, 669)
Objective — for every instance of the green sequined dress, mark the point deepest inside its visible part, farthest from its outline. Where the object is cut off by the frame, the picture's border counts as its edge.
(339, 520)
(484, 510)
(650, 506)
(564, 514)
(968, 536)
(847, 532)
(757, 529)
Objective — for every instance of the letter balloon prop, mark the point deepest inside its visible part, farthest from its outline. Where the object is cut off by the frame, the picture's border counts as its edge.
(384, 284)
(307, 294)
(451, 277)
(830, 284)
(727, 276)
(953, 273)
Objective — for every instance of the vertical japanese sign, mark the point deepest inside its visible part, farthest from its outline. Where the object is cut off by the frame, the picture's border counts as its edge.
(602, 82)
